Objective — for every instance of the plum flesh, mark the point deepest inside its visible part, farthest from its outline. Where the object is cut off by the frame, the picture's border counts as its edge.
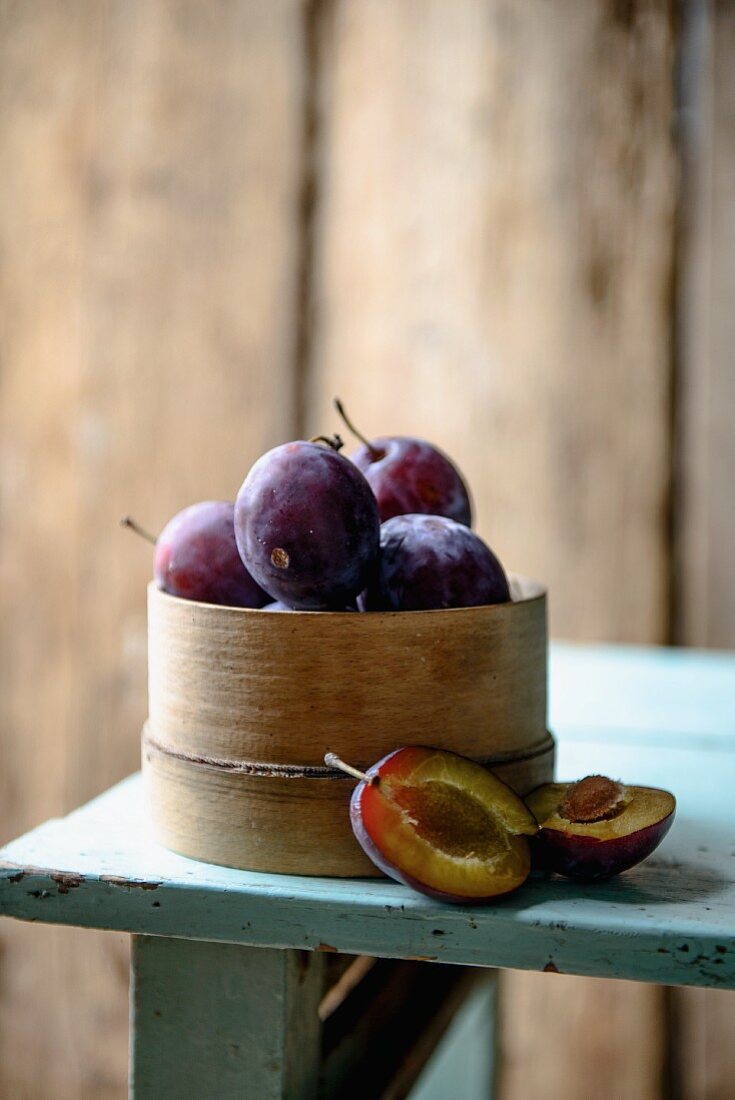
(196, 558)
(409, 475)
(629, 825)
(430, 562)
(443, 825)
(307, 527)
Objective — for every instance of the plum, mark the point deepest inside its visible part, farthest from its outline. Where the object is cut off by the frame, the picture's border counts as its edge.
(196, 557)
(307, 527)
(441, 824)
(409, 475)
(597, 827)
(430, 562)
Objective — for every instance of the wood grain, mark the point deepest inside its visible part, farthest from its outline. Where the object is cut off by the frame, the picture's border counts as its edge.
(494, 260)
(703, 1059)
(245, 685)
(493, 266)
(702, 1050)
(706, 518)
(291, 825)
(622, 1016)
(148, 211)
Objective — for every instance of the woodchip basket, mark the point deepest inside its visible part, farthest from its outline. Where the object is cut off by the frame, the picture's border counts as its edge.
(244, 704)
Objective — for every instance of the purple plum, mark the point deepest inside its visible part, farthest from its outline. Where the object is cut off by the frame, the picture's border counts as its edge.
(410, 476)
(429, 562)
(196, 558)
(307, 526)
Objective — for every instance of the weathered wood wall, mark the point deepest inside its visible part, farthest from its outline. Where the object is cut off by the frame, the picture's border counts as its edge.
(148, 211)
(706, 534)
(493, 261)
(703, 1022)
(463, 216)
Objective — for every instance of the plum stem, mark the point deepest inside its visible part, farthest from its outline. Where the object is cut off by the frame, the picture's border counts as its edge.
(341, 410)
(333, 761)
(128, 521)
(335, 441)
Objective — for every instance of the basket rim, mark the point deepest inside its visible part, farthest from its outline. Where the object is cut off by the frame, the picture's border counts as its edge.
(532, 591)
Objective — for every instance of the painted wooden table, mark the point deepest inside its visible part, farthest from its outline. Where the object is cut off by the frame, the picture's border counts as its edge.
(226, 972)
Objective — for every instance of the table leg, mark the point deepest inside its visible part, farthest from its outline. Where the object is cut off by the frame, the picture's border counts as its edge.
(223, 1021)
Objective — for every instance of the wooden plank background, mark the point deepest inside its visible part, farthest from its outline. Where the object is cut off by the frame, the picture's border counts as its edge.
(494, 247)
(704, 612)
(469, 219)
(151, 172)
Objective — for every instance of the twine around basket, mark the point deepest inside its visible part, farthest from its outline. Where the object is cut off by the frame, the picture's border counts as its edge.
(288, 819)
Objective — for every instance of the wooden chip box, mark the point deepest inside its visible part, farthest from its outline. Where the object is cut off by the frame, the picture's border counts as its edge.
(244, 704)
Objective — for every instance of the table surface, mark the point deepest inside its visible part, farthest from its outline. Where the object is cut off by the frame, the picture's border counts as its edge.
(660, 717)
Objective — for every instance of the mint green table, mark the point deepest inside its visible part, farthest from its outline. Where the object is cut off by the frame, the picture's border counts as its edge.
(227, 967)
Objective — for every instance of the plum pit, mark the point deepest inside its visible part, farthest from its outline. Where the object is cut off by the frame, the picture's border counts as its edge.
(594, 798)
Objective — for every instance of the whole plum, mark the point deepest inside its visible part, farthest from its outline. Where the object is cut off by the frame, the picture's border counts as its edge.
(307, 526)
(410, 476)
(196, 558)
(429, 562)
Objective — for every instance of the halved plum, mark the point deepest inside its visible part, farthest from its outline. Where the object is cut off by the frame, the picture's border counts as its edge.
(597, 827)
(444, 825)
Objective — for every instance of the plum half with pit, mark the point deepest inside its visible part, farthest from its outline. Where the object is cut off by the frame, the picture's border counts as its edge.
(597, 827)
(442, 824)
(196, 558)
(410, 475)
(430, 562)
(307, 527)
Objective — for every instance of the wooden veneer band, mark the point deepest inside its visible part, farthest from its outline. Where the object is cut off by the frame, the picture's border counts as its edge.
(309, 771)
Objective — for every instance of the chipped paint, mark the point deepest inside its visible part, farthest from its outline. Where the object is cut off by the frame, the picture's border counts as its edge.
(129, 883)
(67, 880)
